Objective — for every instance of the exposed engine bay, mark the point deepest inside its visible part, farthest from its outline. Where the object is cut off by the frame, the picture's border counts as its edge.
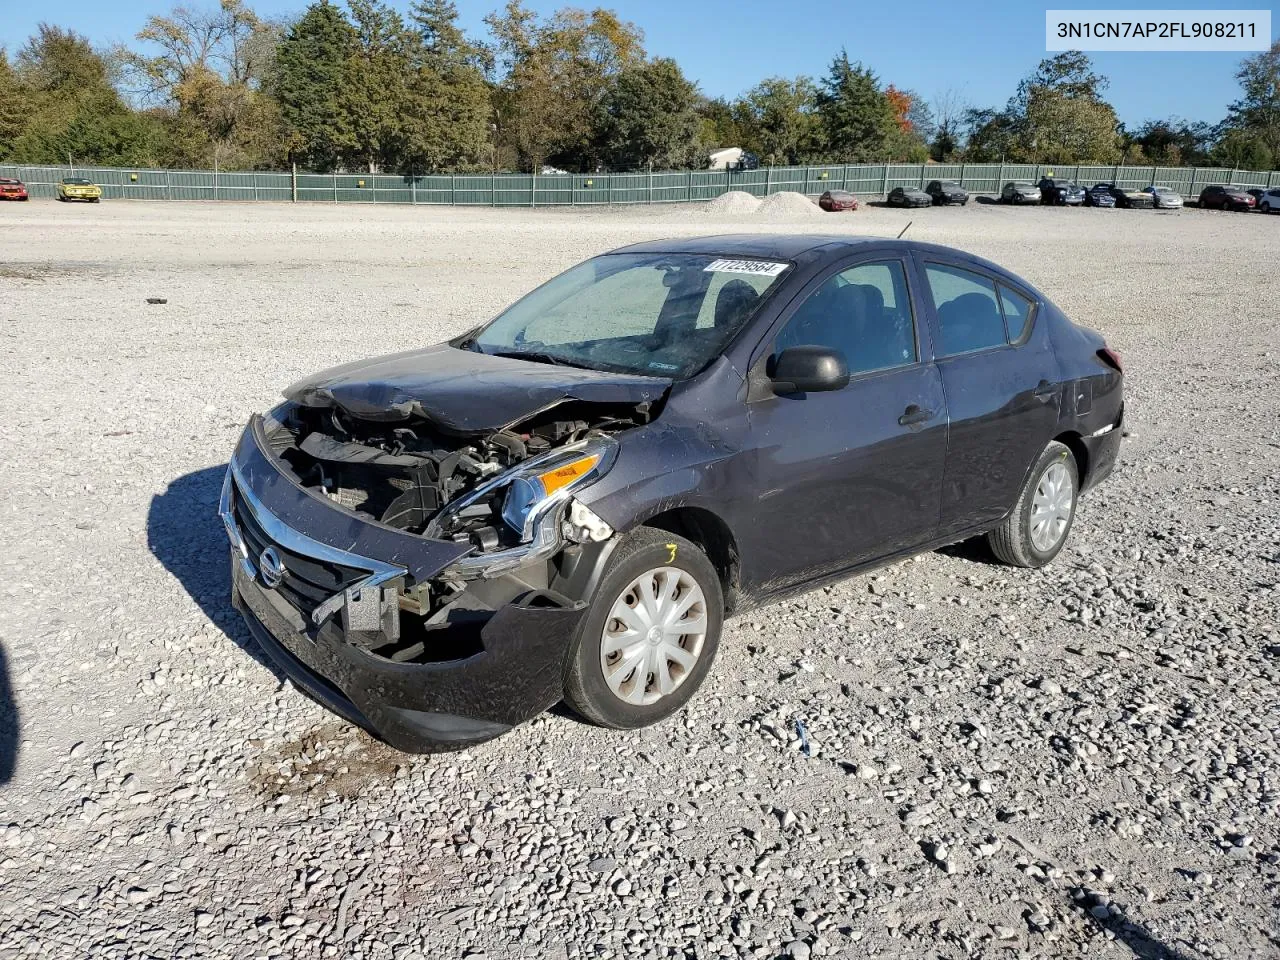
(403, 472)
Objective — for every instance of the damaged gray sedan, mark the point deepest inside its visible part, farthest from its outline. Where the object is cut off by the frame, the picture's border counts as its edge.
(566, 503)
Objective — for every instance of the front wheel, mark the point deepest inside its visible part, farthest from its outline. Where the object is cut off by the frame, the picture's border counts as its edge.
(650, 634)
(1036, 529)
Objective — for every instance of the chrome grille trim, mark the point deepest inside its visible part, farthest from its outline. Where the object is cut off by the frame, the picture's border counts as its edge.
(234, 486)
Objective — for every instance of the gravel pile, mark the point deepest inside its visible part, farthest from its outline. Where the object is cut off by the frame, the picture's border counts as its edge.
(947, 758)
(788, 206)
(735, 203)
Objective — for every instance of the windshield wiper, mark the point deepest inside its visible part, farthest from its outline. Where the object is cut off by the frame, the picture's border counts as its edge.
(539, 356)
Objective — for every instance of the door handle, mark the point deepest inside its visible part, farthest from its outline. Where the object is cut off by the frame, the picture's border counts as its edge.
(1045, 391)
(913, 415)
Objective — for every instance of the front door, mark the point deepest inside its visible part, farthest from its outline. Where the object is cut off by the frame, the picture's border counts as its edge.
(851, 475)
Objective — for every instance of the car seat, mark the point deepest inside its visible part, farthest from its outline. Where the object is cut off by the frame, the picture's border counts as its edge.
(734, 303)
(971, 321)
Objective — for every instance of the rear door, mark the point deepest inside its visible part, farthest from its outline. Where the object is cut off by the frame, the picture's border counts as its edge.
(1001, 381)
(851, 475)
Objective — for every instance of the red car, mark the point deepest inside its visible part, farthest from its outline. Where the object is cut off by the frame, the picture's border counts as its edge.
(13, 190)
(836, 200)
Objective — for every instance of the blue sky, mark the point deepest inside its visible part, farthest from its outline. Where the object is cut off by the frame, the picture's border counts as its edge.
(978, 50)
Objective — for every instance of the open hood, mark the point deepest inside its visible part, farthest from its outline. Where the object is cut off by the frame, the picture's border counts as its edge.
(465, 392)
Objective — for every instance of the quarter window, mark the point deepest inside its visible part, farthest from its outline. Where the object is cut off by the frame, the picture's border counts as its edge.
(1017, 312)
(863, 312)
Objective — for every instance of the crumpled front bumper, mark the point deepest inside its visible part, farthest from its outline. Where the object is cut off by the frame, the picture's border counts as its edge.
(432, 702)
(421, 708)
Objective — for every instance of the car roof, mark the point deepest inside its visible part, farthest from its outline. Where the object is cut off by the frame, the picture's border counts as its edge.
(788, 246)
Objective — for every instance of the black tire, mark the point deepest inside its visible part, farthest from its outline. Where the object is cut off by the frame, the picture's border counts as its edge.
(1265, 208)
(1011, 541)
(585, 689)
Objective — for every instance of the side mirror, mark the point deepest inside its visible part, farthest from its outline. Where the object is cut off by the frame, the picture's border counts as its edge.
(809, 369)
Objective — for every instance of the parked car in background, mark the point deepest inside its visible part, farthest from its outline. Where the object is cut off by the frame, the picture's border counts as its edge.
(11, 189)
(1164, 198)
(946, 192)
(1020, 191)
(78, 188)
(1099, 195)
(1220, 196)
(1057, 191)
(565, 503)
(1270, 201)
(833, 201)
(909, 197)
(1133, 199)
(1256, 193)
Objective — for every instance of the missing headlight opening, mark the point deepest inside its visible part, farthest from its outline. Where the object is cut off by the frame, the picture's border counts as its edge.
(406, 473)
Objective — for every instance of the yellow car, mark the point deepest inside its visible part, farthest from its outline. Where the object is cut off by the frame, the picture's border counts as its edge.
(78, 188)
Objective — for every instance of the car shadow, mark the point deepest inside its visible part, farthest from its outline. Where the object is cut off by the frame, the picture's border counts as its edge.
(10, 725)
(987, 200)
(185, 533)
(975, 550)
(1144, 944)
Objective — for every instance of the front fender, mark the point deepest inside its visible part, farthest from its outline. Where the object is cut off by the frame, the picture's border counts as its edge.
(666, 466)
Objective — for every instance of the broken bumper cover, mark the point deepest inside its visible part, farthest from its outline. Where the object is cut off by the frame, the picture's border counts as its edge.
(302, 585)
(421, 708)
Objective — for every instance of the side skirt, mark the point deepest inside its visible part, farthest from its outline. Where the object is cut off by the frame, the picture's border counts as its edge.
(748, 602)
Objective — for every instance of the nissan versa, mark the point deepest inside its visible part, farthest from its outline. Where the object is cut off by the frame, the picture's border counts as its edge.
(565, 503)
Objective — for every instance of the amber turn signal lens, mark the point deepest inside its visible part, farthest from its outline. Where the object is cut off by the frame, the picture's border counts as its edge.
(567, 473)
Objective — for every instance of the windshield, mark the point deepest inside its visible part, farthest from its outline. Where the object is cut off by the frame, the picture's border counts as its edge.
(656, 314)
(76, 181)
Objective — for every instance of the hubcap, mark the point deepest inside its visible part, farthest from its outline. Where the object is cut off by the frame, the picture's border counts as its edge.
(653, 636)
(1051, 507)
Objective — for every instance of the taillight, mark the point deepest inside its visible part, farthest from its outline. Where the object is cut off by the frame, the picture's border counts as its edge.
(1111, 358)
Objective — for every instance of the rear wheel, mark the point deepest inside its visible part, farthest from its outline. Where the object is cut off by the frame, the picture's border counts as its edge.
(1037, 527)
(650, 634)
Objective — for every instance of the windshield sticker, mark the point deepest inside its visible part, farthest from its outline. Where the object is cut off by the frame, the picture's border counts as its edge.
(655, 365)
(759, 268)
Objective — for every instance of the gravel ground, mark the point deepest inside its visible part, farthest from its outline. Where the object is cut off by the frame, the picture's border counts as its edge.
(1078, 760)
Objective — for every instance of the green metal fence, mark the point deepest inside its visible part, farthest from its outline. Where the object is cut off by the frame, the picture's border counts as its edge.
(525, 190)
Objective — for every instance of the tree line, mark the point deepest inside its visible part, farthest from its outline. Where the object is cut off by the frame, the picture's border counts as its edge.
(364, 87)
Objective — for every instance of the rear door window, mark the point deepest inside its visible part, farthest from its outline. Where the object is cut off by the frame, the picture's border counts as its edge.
(968, 310)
